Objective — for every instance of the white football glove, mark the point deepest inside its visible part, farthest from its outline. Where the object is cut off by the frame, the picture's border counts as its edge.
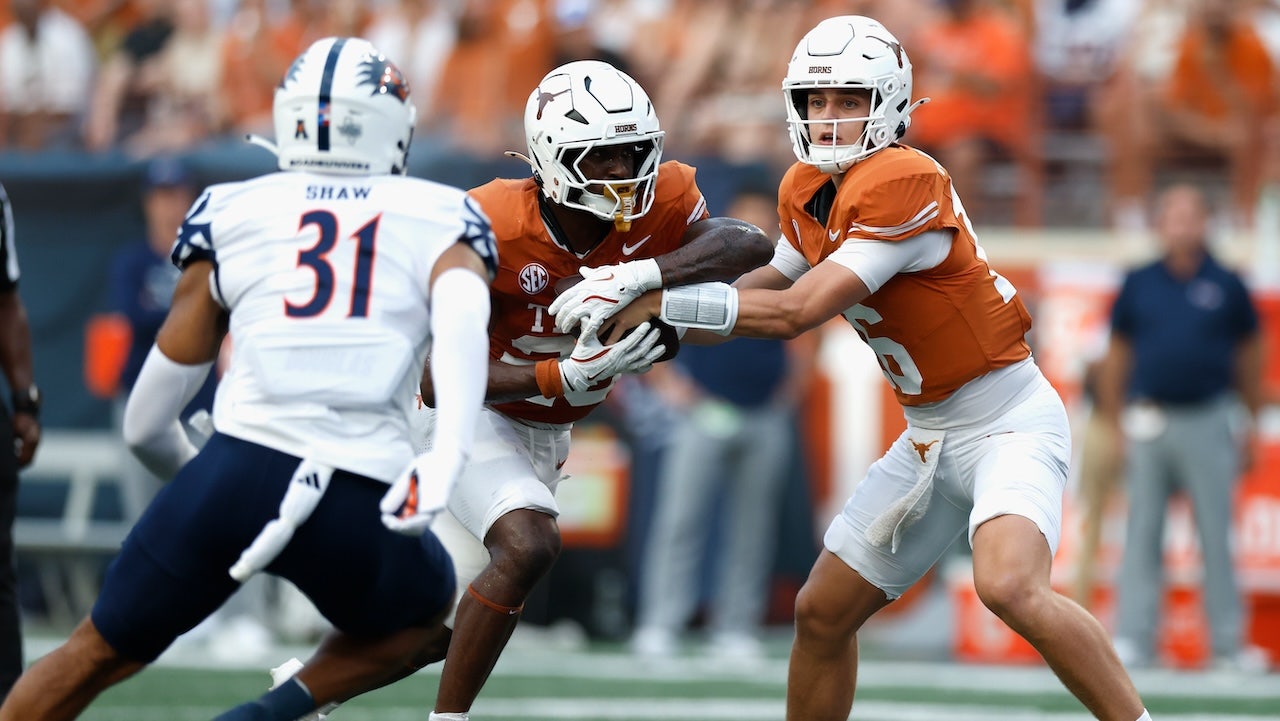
(602, 292)
(593, 362)
(421, 492)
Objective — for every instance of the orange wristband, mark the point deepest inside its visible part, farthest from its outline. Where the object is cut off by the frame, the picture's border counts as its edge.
(550, 382)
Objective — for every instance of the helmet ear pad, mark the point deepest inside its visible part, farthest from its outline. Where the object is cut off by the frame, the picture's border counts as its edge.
(343, 108)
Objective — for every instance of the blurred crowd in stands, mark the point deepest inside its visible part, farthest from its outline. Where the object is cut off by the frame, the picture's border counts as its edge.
(1019, 87)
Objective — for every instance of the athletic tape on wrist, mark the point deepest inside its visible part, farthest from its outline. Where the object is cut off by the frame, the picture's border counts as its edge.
(706, 306)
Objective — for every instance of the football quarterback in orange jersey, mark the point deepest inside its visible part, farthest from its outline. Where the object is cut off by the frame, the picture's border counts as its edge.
(874, 232)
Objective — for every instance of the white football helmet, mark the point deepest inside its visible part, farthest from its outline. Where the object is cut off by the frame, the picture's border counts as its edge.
(583, 105)
(849, 52)
(343, 108)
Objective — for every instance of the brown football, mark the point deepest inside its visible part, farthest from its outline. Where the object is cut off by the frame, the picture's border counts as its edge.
(669, 337)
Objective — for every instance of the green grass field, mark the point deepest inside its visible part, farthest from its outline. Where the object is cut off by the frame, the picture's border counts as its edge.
(601, 682)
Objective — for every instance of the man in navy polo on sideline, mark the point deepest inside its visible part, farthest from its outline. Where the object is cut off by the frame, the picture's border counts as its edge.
(1181, 384)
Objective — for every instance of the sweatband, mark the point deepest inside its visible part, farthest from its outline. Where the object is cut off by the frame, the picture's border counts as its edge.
(550, 380)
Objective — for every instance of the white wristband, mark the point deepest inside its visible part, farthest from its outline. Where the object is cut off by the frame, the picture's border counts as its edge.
(705, 306)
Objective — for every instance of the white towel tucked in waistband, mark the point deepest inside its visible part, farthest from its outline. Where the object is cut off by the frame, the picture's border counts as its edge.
(889, 525)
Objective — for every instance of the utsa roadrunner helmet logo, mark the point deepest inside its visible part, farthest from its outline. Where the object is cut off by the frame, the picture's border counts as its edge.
(292, 74)
(922, 448)
(356, 108)
(384, 77)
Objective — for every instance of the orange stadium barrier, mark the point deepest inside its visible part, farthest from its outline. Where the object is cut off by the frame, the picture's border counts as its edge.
(593, 507)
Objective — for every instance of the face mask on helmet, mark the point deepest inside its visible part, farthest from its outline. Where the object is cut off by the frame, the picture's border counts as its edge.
(587, 118)
(857, 55)
(343, 108)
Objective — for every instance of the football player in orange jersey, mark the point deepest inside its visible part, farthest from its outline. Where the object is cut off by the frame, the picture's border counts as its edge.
(599, 195)
(874, 232)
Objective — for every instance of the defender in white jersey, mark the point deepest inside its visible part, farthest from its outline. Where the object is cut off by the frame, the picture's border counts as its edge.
(334, 278)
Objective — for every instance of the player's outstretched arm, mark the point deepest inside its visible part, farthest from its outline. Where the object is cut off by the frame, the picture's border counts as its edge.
(714, 249)
(764, 305)
(184, 351)
(651, 305)
(458, 368)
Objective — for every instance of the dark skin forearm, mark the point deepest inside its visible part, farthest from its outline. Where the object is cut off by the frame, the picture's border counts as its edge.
(506, 383)
(15, 341)
(716, 249)
(15, 362)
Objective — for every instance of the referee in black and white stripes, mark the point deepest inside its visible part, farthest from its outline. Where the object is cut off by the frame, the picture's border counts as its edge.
(21, 432)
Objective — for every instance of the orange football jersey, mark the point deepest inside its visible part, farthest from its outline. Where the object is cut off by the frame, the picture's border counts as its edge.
(933, 330)
(531, 262)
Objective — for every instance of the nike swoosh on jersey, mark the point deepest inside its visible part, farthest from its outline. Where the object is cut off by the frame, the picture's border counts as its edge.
(833, 235)
(629, 249)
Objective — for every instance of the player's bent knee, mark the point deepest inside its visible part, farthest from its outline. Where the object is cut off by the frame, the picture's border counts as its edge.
(817, 620)
(527, 558)
(525, 546)
(88, 643)
(1009, 595)
(99, 663)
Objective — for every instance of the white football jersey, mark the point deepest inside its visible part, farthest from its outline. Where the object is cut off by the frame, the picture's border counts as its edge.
(326, 279)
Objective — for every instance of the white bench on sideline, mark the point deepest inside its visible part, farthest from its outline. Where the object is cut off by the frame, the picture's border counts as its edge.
(68, 549)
